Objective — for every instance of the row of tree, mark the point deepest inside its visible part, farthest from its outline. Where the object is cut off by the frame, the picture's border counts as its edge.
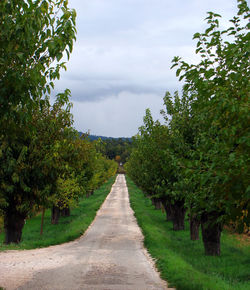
(43, 162)
(198, 161)
(49, 166)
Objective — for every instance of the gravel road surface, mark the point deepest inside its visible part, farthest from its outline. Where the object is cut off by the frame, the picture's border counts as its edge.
(110, 255)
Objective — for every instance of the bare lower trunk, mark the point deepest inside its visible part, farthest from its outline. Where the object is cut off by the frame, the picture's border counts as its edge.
(13, 226)
(168, 209)
(156, 202)
(89, 193)
(211, 232)
(179, 211)
(194, 227)
(42, 221)
(55, 215)
(65, 212)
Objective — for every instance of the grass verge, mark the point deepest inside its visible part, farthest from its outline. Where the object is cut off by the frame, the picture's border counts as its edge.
(181, 261)
(68, 228)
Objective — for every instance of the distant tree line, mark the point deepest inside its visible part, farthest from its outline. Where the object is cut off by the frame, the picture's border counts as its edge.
(113, 148)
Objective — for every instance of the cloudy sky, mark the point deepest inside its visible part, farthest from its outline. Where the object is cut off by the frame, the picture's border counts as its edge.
(121, 60)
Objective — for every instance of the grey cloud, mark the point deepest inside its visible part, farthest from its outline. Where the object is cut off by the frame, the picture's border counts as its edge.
(123, 54)
(96, 90)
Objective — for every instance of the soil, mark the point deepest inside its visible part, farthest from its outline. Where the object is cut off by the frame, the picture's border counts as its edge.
(110, 255)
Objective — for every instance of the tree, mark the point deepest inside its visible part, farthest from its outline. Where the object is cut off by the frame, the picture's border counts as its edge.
(31, 164)
(34, 35)
(78, 155)
(157, 169)
(218, 89)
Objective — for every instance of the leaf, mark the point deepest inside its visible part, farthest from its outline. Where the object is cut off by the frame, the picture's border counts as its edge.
(178, 71)
(174, 65)
(196, 35)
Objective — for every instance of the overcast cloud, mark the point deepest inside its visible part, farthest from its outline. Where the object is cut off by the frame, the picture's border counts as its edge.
(121, 61)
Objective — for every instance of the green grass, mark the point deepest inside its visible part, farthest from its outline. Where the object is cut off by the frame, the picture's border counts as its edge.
(68, 228)
(181, 261)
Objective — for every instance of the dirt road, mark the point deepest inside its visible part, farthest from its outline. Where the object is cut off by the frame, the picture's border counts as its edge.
(109, 256)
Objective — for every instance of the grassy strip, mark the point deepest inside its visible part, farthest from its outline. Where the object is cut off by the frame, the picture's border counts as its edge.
(181, 261)
(68, 228)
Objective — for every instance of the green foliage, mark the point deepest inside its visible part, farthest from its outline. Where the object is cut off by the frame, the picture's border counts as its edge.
(104, 169)
(143, 165)
(31, 160)
(86, 170)
(180, 260)
(54, 167)
(156, 162)
(34, 34)
(67, 192)
(113, 147)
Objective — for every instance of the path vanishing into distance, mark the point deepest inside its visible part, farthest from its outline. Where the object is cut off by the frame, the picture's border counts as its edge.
(110, 255)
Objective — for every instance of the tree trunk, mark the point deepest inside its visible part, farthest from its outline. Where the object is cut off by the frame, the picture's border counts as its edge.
(178, 215)
(42, 221)
(13, 225)
(168, 209)
(156, 202)
(211, 232)
(194, 223)
(55, 214)
(65, 212)
(88, 193)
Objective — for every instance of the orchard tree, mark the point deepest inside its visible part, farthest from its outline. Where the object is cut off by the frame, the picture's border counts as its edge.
(218, 89)
(31, 164)
(78, 156)
(34, 35)
(155, 167)
(178, 117)
(104, 169)
(134, 164)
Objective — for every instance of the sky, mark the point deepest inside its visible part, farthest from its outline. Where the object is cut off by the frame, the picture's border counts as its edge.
(121, 60)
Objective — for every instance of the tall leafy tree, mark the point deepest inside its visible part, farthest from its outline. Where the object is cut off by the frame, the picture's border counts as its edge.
(159, 161)
(31, 164)
(218, 88)
(178, 117)
(34, 36)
